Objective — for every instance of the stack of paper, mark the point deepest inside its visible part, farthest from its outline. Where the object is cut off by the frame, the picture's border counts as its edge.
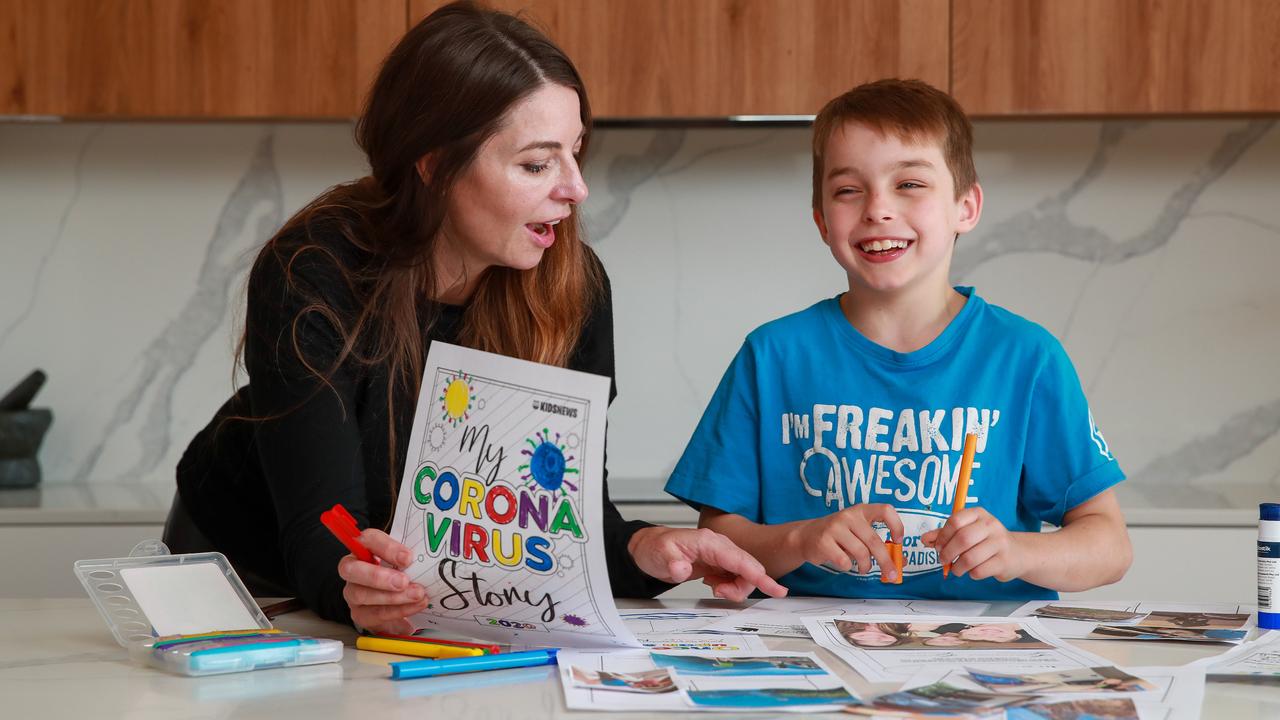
(1096, 693)
(1217, 622)
(784, 617)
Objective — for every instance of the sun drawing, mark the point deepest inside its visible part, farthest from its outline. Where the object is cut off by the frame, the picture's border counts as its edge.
(547, 463)
(455, 401)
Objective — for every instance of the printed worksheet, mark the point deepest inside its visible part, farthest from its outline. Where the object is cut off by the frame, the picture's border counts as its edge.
(501, 501)
(682, 629)
(1104, 681)
(784, 617)
(889, 648)
(710, 681)
(648, 621)
(706, 642)
(826, 606)
(1255, 659)
(1123, 620)
(1178, 693)
(1110, 693)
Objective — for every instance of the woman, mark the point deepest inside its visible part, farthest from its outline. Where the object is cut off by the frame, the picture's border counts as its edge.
(874, 635)
(465, 231)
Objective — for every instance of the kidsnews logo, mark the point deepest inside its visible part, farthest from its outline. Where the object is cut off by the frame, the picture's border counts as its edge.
(554, 409)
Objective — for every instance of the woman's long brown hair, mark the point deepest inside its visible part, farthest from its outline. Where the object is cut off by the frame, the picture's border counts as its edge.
(442, 92)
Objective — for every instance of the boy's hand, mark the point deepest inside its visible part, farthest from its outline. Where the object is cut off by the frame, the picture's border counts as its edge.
(844, 538)
(974, 542)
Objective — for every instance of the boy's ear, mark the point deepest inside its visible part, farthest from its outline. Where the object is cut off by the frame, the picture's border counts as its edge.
(970, 209)
(821, 222)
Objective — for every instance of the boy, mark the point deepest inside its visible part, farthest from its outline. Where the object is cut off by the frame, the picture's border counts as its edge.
(869, 395)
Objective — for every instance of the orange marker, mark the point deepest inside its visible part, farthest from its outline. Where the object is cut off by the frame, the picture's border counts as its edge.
(962, 483)
(895, 554)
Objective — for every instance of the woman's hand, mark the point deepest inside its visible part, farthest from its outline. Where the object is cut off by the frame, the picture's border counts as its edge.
(675, 555)
(381, 597)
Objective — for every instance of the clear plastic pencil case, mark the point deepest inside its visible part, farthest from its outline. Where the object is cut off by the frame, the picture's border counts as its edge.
(191, 614)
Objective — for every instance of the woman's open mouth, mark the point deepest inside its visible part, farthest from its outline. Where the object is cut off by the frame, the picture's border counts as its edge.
(544, 234)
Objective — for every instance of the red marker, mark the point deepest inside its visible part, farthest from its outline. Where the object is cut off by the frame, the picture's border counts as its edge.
(488, 648)
(344, 527)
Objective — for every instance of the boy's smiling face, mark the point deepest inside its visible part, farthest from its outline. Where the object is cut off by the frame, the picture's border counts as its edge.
(889, 210)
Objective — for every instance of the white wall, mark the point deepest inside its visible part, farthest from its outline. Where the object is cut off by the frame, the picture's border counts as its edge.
(1149, 248)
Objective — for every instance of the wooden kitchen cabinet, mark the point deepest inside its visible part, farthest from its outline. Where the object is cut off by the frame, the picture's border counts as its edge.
(192, 58)
(1115, 57)
(714, 58)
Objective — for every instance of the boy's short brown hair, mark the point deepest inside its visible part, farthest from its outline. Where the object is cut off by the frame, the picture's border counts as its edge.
(912, 110)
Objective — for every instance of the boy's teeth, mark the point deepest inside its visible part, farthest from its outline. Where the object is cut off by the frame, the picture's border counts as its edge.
(880, 245)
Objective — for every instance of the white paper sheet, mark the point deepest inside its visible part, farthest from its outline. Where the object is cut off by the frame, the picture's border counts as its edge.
(187, 599)
(715, 682)
(1081, 629)
(784, 617)
(1257, 658)
(704, 642)
(501, 501)
(829, 607)
(756, 623)
(1176, 694)
(1180, 694)
(1023, 645)
(1071, 683)
(683, 620)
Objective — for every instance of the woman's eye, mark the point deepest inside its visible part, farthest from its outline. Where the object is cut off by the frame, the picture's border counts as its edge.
(535, 168)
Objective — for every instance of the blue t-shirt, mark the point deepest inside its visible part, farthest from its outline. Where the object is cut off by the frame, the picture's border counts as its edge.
(812, 417)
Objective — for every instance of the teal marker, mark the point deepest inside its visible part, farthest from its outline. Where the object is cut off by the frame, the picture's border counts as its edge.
(452, 666)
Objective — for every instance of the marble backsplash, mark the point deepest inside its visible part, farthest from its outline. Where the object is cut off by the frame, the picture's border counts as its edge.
(1149, 248)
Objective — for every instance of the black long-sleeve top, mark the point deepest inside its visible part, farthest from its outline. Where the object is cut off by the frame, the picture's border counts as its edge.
(256, 488)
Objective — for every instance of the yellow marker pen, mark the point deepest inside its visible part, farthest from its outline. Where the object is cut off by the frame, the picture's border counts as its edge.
(415, 648)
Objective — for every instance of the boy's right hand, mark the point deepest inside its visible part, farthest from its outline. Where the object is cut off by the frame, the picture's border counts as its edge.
(844, 538)
(381, 597)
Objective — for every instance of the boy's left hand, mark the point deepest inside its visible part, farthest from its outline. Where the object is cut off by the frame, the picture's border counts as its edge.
(978, 544)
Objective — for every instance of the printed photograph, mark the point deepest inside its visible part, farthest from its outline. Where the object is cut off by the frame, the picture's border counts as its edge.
(770, 697)
(728, 665)
(1079, 680)
(1215, 621)
(1107, 709)
(939, 699)
(649, 682)
(938, 636)
(1083, 614)
(1139, 632)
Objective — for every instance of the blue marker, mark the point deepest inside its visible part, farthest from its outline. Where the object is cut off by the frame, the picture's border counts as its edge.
(450, 666)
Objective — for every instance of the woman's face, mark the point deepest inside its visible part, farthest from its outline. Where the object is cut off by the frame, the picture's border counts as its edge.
(503, 209)
(991, 633)
(872, 636)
